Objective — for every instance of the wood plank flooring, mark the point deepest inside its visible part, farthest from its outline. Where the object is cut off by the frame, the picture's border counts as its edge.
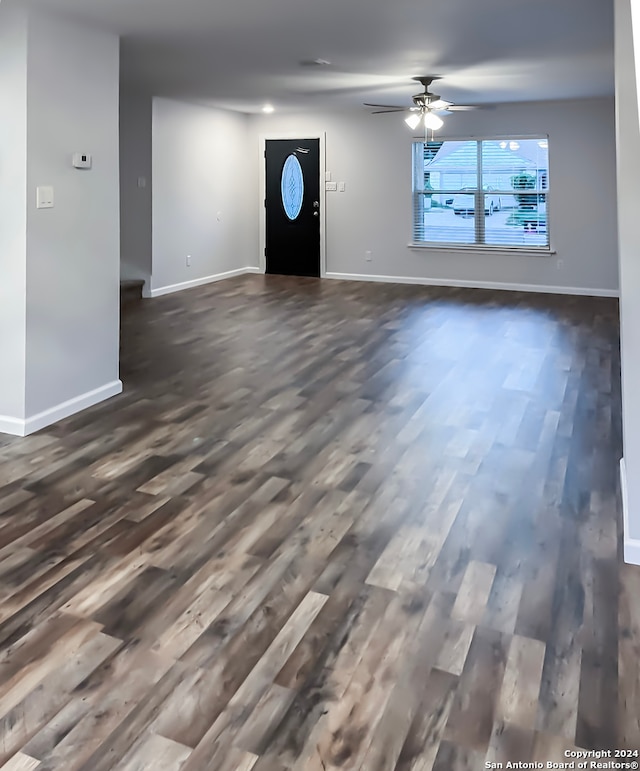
(328, 525)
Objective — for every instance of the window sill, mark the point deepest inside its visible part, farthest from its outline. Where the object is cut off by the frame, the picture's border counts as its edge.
(484, 249)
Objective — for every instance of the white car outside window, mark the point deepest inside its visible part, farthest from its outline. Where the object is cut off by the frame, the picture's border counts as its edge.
(464, 204)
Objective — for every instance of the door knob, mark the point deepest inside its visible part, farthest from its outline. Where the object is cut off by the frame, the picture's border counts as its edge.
(316, 204)
(316, 214)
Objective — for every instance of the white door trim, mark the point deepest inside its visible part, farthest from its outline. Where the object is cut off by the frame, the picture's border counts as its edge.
(262, 189)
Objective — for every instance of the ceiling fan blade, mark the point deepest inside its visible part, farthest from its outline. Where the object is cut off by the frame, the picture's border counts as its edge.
(440, 104)
(467, 107)
(428, 102)
(385, 106)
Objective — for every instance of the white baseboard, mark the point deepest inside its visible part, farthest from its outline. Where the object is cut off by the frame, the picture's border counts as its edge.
(12, 426)
(631, 545)
(475, 284)
(198, 282)
(632, 551)
(59, 412)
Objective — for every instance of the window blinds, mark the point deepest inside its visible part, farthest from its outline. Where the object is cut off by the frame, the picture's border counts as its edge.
(488, 192)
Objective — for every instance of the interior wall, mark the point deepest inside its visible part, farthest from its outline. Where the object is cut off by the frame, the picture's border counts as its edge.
(13, 210)
(73, 249)
(202, 195)
(135, 201)
(372, 155)
(628, 141)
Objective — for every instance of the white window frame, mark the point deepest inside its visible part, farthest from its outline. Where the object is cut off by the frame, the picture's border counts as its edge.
(479, 221)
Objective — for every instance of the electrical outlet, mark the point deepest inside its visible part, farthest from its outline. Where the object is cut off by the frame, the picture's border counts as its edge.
(142, 182)
(188, 261)
(367, 255)
(341, 187)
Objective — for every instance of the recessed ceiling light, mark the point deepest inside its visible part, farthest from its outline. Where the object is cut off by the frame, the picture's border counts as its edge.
(268, 108)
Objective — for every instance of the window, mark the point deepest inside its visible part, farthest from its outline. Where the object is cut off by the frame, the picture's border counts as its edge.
(292, 187)
(490, 192)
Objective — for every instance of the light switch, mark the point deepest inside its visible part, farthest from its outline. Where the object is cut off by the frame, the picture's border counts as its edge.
(44, 197)
(332, 186)
(142, 181)
(341, 187)
(327, 176)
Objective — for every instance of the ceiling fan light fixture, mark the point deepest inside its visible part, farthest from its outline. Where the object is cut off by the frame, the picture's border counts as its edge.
(413, 121)
(426, 105)
(432, 121)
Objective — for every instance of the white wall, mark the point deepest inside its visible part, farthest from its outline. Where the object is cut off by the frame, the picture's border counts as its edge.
(628, 129)
(135, 202)
(371, 153)
(13, 210)
(59, 301)
(203, 202)
(73, 249)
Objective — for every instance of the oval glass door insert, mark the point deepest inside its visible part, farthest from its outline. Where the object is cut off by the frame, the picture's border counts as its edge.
(292, 187)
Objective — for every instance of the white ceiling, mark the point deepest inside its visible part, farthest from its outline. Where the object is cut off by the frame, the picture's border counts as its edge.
(242, 53)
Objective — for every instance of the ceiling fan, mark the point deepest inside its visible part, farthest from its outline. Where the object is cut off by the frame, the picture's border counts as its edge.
(426, 107)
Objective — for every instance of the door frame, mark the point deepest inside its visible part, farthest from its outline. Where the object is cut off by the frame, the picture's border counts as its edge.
(262, 190)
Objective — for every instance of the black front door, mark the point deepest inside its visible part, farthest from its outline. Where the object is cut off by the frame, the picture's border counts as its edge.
(293, 206)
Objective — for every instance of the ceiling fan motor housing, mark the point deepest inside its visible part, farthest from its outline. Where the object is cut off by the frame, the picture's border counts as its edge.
(426, 99)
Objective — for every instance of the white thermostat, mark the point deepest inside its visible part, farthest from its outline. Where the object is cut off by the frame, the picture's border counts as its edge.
(81, 161)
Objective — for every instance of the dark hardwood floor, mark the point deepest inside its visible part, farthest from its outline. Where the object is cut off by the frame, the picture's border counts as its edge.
(328, 525)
